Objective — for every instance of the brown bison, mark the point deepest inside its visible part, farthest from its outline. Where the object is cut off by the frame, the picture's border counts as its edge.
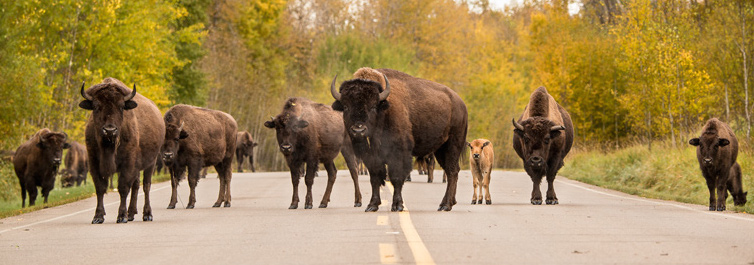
(36, 162)
(481, 159)
(245, 147)
(195, 138)
(543, 137)
(312, 133)
(123, 134)
(717, 150)
(392, 117)
(426, 166)
(76, 166)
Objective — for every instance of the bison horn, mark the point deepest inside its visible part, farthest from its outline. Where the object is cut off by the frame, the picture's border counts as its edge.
(83, 92)
(517, 125)
(557, 128)
(181, 127)
(333, 90)
(386, 92)
(130, 96)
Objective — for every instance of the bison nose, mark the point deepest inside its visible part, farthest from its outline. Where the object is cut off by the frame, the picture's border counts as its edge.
(536, 159)
(56, 161)
(109, 130)
(707, 160)
(168, 155)
(285, 147)
(476, 156)
(359, 128)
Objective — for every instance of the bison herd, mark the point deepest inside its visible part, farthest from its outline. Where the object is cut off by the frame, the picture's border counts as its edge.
(381, 119)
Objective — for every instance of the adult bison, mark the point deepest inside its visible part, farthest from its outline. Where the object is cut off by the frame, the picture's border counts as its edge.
(717, 150)
(409, 117)
(76, 166)
(196, 138)
(245, 147)
(36, 162)
(312, 133)
(123, 134)
(543, 137)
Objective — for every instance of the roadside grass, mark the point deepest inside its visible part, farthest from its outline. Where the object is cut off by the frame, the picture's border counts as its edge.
(665, 173)
(10, 192)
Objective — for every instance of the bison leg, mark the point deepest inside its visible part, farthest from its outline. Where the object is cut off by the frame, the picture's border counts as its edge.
(377, 176)
(352, 169)
(23, 195)
(239, 159)
(476, 184)
(431, 169)
(536, 194)
(447, 156)
(722, 191)
(486, 184)
(175, 174)
(332, 172)
(311, 170)
(32, 190)
(711, 188)
(124, 187)
(552, 199)
(132, 211)
(100, 185)
(147, 211)
(224, 173)
(296, 173)
(193, 179)
(251, 163)
(398, 172)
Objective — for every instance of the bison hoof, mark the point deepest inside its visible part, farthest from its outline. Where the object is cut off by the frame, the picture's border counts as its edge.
(488, 202)
(130, 218)
(551, 202)
(189, 207)
(122, 220)
(444, 181)
(720, 208)
(444, 208)
(536, 201)
(293, 206)
(308, 206)
(323, 205)
(217, 204)
(227, 204)
(147, 218)
(712, 208)
(171, 206)
(398, 208)
(480, 201)
(98, 220)
(358, 204)
(372, 209)
(473, 201)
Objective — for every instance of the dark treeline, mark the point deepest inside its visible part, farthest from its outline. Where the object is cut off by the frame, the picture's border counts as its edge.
(627, 70)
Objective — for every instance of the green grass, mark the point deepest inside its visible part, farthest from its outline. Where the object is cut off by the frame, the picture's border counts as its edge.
(10, 192)
(664, 173)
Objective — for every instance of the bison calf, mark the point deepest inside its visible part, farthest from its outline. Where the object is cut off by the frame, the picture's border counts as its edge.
(543, 137)
(481, 158)
(36, 162)
(195, 138)
(245, 147)
(717, 150)
(76, 166)
(312, 133)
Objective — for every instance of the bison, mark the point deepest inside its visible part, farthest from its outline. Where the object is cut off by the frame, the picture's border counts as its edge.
(392, 117)
(123, 134)
(196, 138)
(481, 159)
(312, 133)
(76, 166)
(543, 137)
(717, 150)
(245, 147)
(36, 162)
(426, 166)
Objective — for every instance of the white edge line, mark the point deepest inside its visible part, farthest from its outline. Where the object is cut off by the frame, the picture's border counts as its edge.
(65, 216)
(628, 197)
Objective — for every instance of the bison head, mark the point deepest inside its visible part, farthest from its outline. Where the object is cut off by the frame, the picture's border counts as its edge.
(108, 105)
(52, 145)
(536, 134)
(707, 148)
(290, 131)
(67, 177)
(173, 135)
(361, 102)
(476, 149)
(246, 144)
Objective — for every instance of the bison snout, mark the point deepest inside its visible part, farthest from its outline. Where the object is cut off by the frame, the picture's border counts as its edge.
(476, 156)
(286, 148)
(109, 130)
(56, 161)
(536, 161)
(708, 160)
(358, 130)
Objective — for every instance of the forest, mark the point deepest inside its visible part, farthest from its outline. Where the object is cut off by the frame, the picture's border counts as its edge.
(628, 71)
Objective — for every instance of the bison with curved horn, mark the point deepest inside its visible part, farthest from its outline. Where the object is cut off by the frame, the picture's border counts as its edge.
(392, 117)
(123, 134)
(543, 137)
(36, 162)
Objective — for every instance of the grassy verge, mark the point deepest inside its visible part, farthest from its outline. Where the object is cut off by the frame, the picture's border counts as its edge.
(10, 192)
(664, 173)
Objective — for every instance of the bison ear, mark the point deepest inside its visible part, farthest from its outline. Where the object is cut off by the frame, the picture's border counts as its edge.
(40, 145)
(86, 104)
(723, 142)
(183, 135)
(302, 124)
(485, 144)
(254, 144)
(130, 104)
(337, 106)
(694, 142)
(383, 105)
(66, 145)
(269, 124)
(554, 134)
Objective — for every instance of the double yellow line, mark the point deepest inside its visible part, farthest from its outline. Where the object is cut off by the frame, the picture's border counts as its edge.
(418, 249)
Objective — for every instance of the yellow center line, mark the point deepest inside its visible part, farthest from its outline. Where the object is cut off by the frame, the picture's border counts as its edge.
(418, 249)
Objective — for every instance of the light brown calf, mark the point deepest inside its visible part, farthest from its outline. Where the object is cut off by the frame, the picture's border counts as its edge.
(481, 159)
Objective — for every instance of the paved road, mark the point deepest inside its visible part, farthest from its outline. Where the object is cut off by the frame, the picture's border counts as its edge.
(590, 226)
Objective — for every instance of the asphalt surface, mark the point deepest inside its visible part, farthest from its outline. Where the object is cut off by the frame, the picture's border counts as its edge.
(589, 226)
